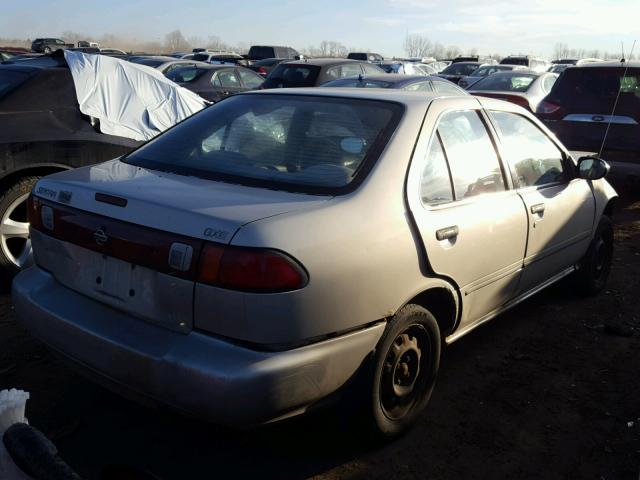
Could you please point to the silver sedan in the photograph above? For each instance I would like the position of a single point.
(285, 245)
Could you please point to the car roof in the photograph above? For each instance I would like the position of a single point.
(385, 77)
(319, 62)
(610, 63)
(385, 94)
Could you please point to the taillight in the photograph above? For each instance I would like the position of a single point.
(262, 70)
(250, 269)
(40, 216)
(547, 108)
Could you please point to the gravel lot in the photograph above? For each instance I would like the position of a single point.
(548, 390)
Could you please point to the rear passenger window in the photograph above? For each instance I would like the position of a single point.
(534, 158)
(435, 184)
(227, 79)
(353, 70)
(371, 69)
(446, 87)
(474, 164)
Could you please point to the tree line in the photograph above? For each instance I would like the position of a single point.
(415, 45)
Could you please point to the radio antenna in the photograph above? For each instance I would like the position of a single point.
(615, 104)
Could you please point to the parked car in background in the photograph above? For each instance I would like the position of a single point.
(580, 108)
(218, 57)
(215, 82)
(559, 67)
(45, 133)
(316, 71)
(532, 63)
(456, 71)
(365, 56)
(49, 45)
(233, 269)
(407, 68)
(165, 65)
(438, 66)
(260, 52)
(525, 87)
(266, 66)
(112, 52)
(412, 83)
(485, 71)
(6, 55)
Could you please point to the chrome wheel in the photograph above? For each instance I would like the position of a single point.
(14, 233)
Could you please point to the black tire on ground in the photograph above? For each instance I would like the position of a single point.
(594, 268)
(13, 212)
(404, 370)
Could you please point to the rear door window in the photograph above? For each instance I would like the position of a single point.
(473, 160)
(371, 69)
(534, 159)
(446, 88)
(226, 78)
(435, 183)
(250, 79)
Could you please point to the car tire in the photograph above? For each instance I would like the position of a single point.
(15, 244)
(593, 269)
(405, 366)
(46, 50)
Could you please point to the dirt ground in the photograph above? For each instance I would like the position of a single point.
(549, 390)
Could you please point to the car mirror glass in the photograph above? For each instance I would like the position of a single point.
(592, 168)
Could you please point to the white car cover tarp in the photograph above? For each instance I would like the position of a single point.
(130, 100)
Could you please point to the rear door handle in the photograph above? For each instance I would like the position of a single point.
(447, 233)
(538, 208)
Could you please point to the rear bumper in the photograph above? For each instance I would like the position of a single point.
(195, 373)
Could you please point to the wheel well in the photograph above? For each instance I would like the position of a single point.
(610, 209)
(13, 177)
(441, 303)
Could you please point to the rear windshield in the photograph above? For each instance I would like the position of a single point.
(516, 61)
(291, 75)
(290, 142)
(258, 53)
(459, 69)
(150, 62)
(505, 83)
(597, 88)
(358, 56)
(10, 80)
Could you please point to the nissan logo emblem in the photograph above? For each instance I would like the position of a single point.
(100, 236)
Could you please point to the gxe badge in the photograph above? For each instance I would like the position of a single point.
(100, 237)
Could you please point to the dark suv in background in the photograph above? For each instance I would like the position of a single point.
(367, 57)
(48, 45)
(581, 105)
(260, 52)
(314, 72)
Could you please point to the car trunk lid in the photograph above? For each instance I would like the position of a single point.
(131, 238)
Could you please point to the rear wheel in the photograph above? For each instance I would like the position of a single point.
(47, 50)
(595, 266)
(15, 244)
(404, 370)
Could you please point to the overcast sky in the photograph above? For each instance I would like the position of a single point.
(501, 26)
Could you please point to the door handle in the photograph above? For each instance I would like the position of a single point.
(447, 233)
(538, 208)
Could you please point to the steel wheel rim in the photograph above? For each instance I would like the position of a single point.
(14, 233)
(405, 372)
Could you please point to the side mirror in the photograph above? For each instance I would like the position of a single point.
(592, 168)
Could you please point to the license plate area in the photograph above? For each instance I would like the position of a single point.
(144, 293)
